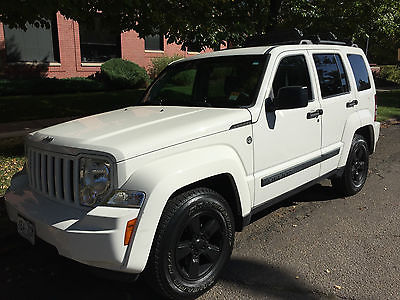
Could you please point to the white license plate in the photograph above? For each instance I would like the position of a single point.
(26, 229)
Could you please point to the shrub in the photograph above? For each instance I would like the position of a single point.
(389, 74)
(44, 86)
(184, 78)
(160, 63)
(26, 71)
(120, 73)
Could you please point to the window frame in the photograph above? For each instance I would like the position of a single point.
(91, 62)
(55, 41)
(334, 53)
(161, 40)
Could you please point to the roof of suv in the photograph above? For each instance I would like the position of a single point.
(264, 49)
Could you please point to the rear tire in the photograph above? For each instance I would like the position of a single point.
(356, 169)
(193, 243)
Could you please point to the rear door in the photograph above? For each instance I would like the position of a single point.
(363, 82)
(337, 100)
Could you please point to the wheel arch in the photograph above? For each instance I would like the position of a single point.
(215, 167)
(225, 185)
(367, 132)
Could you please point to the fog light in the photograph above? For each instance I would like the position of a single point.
(124, 198)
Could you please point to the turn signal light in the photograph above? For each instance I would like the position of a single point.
(130, 226)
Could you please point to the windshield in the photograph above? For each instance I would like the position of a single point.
(217, 82)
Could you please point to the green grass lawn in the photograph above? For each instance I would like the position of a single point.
(388, 105)
(34, 107)
(11, 160)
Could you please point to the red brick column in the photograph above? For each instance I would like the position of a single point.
(3, 56)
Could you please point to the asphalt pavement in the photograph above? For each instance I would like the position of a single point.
(315, 245)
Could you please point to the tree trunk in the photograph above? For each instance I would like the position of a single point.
(274, 11)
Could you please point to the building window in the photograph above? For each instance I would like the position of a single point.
(33, 45)
(193, 49)
(154, 42)
(98, 43)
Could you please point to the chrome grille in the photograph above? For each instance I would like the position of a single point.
(54, 175)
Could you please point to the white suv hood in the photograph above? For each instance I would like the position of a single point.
(134, 131)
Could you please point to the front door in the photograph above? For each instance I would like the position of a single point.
(287, 141)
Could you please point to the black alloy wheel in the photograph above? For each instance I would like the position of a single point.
(359, 164)
(192, 244)
(200, 245)
(355, 172)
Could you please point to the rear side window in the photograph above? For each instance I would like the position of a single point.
(292, 71)
(331, 75)
(360, 72)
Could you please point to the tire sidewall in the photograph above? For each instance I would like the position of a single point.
(358, 142)
(204, 202)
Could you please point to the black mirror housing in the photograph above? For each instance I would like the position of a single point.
(290, 97)
(269, 105)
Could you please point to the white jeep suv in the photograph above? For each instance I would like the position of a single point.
(161, 188)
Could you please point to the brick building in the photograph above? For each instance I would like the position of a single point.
(69, 49)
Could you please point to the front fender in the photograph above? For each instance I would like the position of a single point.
(162, 177)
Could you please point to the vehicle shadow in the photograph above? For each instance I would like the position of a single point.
(263, 280)
(319, 192)
(38, 272)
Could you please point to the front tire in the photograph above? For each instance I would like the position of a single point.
(193, 242)
(356, 169)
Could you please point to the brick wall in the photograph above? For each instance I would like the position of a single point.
(2, 48)
(132, 48)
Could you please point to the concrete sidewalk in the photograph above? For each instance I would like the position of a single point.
(15, 129)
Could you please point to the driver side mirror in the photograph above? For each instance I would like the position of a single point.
(288, 97)
(269, 105)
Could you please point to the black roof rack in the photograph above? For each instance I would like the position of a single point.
(294, 37)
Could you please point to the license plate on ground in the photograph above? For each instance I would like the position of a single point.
(26, 229)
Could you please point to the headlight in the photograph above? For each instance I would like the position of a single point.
(123, 198)
(95, 180)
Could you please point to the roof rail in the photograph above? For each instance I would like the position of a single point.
(295, 37)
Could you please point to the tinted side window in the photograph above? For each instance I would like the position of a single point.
(360, 72)
(292, 71)
(343, 75)
(331, 74)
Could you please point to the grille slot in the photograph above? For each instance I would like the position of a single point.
(54, 175)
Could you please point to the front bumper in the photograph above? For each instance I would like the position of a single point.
(91, 236)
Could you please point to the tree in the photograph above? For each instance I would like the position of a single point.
(200, 23)
(197, 23)
(357, 20)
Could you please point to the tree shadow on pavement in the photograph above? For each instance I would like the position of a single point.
(263, 280)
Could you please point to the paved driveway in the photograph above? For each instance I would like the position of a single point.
(315, 245)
